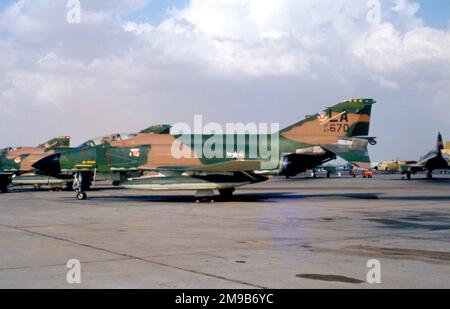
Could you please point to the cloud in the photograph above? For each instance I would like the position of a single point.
(246, 60)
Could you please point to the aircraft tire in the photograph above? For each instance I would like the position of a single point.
(81, 196)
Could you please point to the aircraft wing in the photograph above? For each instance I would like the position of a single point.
(352, 150)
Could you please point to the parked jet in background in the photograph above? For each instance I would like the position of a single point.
(393, 167)
(15, 162)
(434, 160)
(341, 130)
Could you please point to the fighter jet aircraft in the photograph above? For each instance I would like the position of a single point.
(18, 161)
(392, 167)
(341, 130)
(434, 160)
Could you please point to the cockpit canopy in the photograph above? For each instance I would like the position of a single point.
(107, 139)
(7, 149)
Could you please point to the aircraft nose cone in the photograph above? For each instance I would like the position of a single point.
(49, 165)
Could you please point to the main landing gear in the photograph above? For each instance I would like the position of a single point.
(204, 196)
(408, 175)
(207, 196)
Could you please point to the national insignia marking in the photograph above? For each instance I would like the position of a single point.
(135, 152)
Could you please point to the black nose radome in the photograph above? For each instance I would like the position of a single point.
(49, 165)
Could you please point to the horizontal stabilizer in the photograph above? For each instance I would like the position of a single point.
(352, 150)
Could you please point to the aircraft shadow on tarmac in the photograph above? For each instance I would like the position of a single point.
(238, 198)
(396, 178)
(272, 197)
(268, 197)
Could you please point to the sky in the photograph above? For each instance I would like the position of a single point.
(130, 64)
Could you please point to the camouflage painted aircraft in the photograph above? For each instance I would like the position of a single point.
(434, 160)
(18, 161)
(16, 164)
(341, 130)
(393, 167)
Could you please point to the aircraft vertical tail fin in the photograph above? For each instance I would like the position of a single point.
(350, 118)
(439, 143)
(57, 142)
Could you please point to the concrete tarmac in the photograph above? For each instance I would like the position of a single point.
(297, 233)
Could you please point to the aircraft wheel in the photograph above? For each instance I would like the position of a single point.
(116, 183)
(81, 196)
(328, 175)
(205, 200)
(4, 189)
(429, 176)
(408, 176)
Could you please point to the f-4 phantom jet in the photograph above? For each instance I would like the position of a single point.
(18, 161)
(434, 160)
(208, 162)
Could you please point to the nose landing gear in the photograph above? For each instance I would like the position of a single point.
(82, 182)
(81, 196)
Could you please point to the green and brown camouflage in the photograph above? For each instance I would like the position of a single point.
(19, 161)
(16, 163)
(341, 130)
